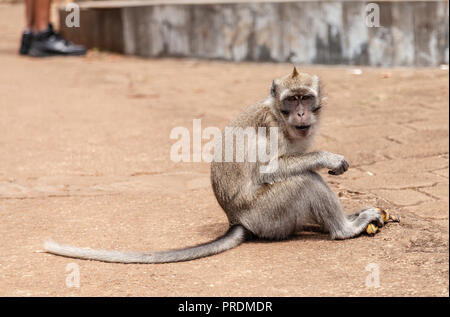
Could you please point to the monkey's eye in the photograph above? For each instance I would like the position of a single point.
(291, 101)
(285, 112)
(307, 100)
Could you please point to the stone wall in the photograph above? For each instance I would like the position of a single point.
(411, 33)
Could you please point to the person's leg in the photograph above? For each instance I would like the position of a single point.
(41, 15)
(29, 14)
(27, 36)
(46, 42)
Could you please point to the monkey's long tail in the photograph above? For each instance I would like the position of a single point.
(235, 235)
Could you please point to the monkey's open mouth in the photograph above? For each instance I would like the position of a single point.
(302, 127)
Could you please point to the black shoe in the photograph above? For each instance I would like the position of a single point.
(27, 38)
(50, 43)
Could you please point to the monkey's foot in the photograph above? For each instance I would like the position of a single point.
(372, 228)
(387, 217)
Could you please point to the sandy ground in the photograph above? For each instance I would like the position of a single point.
(85, 160)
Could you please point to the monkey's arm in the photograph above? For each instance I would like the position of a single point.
(290, 165)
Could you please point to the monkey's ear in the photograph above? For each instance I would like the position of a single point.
(273, 89)
(294, 72)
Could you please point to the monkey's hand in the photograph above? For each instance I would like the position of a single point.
(337, 164)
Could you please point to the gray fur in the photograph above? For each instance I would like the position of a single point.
(234, 236)
(276, 205)
(267, 205)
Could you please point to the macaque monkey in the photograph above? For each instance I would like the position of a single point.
(274, 204)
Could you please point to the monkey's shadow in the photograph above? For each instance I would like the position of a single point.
(212, 231)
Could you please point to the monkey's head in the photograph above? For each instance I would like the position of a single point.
(297, 101)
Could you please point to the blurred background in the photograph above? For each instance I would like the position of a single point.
(351, 32)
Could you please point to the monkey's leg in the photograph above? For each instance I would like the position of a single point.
(352, 217)
(312, 228)
(326, 208)
(283, 208)
(355, 215)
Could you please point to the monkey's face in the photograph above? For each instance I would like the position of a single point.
(298, 103)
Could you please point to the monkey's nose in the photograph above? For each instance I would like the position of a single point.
(300, 114)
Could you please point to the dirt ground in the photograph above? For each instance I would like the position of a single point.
(85, 160)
